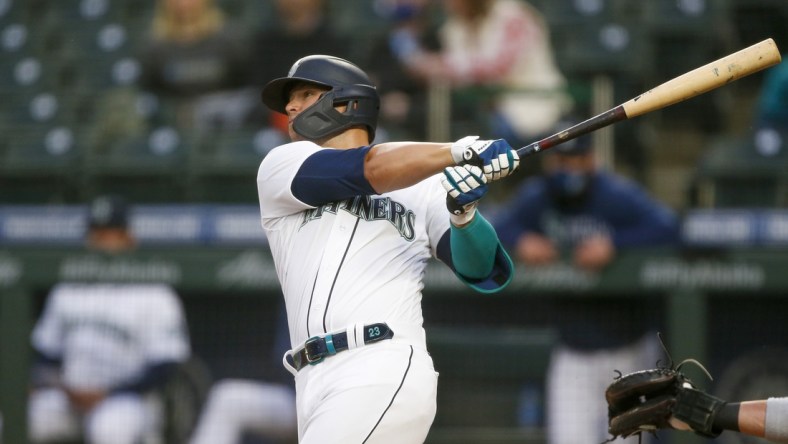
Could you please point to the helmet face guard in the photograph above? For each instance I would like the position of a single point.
(348, 85)
(322, 118)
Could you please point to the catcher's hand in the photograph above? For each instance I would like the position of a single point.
(661, 398)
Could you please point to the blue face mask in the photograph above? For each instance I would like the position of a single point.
(569, 185)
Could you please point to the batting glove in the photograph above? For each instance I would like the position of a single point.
(496, 157)
(464, 185)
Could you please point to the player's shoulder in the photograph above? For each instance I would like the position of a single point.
(292, 149)
(286, 156)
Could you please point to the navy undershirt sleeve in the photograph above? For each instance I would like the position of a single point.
(155, 376)
(332, 175)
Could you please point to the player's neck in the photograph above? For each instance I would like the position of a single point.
(350, 138)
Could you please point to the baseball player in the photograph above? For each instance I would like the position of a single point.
(351, 226)
(103, 348)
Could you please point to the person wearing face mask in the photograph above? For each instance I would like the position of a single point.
(583, 215)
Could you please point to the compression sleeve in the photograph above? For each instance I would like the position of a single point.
(332, 175)
(473, 248)
(776, 423)
(476, 256)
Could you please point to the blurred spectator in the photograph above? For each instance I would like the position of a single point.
(772, 108)
(104, 349)
(579, 213)
(301, 28)
(196, 59)
(237, 408)
(503, 45)
(403, 96)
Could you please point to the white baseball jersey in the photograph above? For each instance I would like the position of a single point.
(361, 260)
(107, 334)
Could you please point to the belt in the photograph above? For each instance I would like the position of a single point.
(318, 348)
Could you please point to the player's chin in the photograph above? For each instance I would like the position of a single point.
(294, 136)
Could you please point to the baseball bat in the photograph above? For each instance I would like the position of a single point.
(690, 84)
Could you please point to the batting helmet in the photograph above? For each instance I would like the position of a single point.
(348, 85)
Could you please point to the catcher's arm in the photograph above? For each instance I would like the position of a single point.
(657, 399)
(762, 418)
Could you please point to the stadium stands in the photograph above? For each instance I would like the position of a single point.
(81, 52)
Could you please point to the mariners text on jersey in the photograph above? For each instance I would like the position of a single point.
(370, 209)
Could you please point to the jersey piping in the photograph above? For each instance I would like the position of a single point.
(401, 383)
(333, 283)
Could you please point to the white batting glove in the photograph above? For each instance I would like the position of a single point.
(465, 185)
(496, 157)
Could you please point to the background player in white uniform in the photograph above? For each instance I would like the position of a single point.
(351, 228)
(103, 348)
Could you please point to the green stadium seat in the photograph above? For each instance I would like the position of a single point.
(39, 164)
(565, 14)
(38, 108)
(745, 171)
(692, 17)
(94, 40)
(98, 74)
(83, 11)
(225, 169)
(609, 47)
(18, 40)
(756, 20)
(147, 167)
(682, 32)
(13, 11)
(27, 74)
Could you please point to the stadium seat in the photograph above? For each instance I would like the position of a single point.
(41, 107)
(147, 167)
(83, 11)
(755, 20)
(13, 11)
(39, 164)
(606, 47)
(96, 40)
(28, 74)
(226, 167)
(745, 171)
(97, 74)
(564, 14)
(18, 40)
(693, 17)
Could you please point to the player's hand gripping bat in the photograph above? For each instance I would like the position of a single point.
(690, 84)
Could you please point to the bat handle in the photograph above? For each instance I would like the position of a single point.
(528, 150)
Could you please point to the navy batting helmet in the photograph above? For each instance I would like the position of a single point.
(347, 84)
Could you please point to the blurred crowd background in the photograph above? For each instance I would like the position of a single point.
(158, 101)
(161, 102)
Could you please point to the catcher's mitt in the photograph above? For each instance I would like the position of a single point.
(659, 398)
